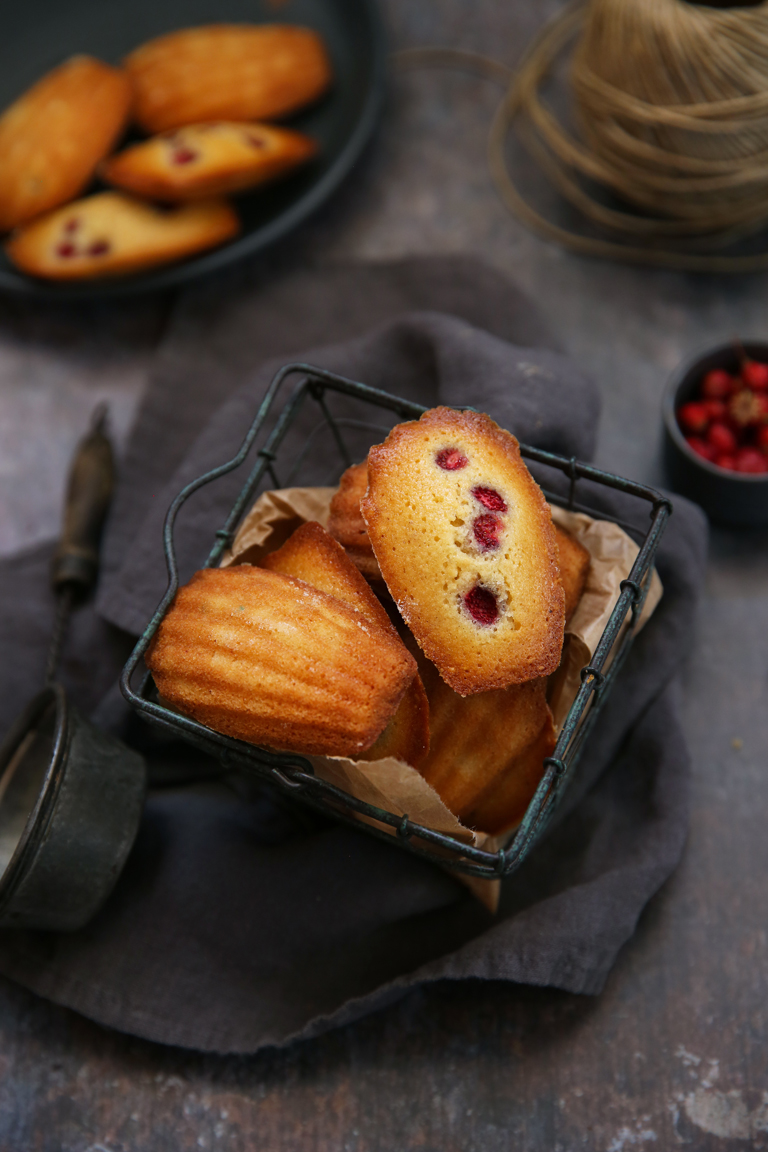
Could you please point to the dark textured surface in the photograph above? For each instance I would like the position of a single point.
(674, 1051)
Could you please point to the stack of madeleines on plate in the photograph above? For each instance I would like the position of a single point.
(202, 95)
(423, 624)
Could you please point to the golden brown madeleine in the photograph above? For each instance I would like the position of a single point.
(474, 740)
(53, 137)
(313, 556)
(227, 72)
(574, 561)
(207, 160)
(406, 737)
(109, 234)
(269, 659)
(346, 522)
(505, 803)
(466, 546)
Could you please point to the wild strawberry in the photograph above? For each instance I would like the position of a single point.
(717, 384)
(701, 448)
(722, 438)
(755, 375)
(751, 460)
(715, 409)
(693, 417)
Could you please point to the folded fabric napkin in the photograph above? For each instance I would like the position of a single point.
(240, 922)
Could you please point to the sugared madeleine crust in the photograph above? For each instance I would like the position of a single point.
(111, 233)
(504, 803)
(466, 545)
(573, 561)
(207, 160)
(52, 137)
(310, 554)
(346, 523)
(227, 72)
(267, 658)
(477, 740)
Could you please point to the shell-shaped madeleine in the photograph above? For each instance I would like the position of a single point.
(269, 659)
(227, 72)
(312, 555)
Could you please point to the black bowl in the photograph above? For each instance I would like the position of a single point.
(737, 499)
(39, 34)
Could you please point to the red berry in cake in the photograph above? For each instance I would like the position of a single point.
(487, 530)
(722, 438)
(482, 605)
(66, 250)
(451, 459)
(693, 417)
(184, 156)
(99, 248)
(72, 225)
(702, 448)
(755, 375)
(717, 384)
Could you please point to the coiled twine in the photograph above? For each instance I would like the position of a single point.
(672, 101)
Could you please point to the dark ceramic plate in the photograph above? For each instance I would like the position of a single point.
(39, 34)
(731, 498)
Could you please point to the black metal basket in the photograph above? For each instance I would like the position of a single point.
(293, 773)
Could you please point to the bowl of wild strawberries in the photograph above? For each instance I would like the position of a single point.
(716, 423)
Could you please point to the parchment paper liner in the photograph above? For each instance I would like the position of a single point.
(392, 784)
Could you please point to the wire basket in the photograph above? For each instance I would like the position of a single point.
(293, 774)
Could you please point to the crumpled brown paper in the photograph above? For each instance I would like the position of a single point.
(391, 784)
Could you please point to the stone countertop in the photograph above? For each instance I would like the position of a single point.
(674, 1051)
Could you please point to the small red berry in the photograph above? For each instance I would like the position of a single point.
(755, 375)
(99, 248)
(693, 417)
(751, 460)
(490, 499)
(726, 461)
(701, 448)
(486, 530)
(451, 459)
(184, 156)
(717, 384)
(66, 250)
(762, 439)
(715, 409)
(722, 438)
(482, 605)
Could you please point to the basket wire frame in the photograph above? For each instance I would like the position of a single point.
(293, 774)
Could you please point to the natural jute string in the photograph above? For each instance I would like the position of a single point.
(671, 101)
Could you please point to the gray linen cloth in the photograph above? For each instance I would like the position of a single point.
(238, 922)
